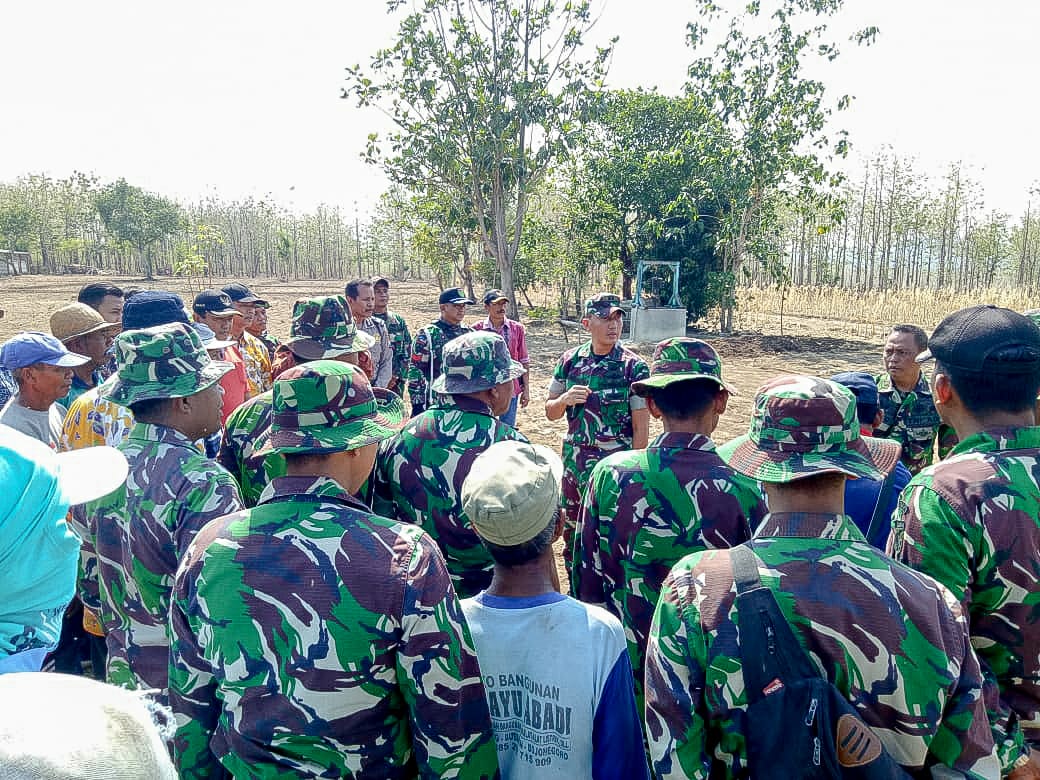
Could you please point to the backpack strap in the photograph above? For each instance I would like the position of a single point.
(880, 508)
(770, 654)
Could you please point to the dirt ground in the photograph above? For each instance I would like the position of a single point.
(749, 359)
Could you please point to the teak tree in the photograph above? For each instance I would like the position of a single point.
(486, 96)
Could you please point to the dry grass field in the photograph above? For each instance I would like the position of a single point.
(824, 334)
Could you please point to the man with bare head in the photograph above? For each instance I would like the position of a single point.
(906, 401)
(361, 298)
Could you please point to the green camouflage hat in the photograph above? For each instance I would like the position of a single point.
(475, 361)
(323, 328)
(326, 406)
(603, 305)
(167, 361)
(802, 426)
(678, 359)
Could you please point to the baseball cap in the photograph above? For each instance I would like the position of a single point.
(209, 338)
(78, 319)
(149, 308)
(603, 305)
(106, 731)
(167, 361)
(326, 406)
(802, 426)
(31, 347)
(678, 359)
(381, 280)
(454, 295)
(239, 293)
(512, 491)
(862, 385)
(475, 361)
(970, 338)
(494, 296)
(322, 328)
(216, 302)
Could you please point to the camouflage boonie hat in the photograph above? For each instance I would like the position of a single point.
(323, 328)
(167, 361)
(802, 426)
(603, 305)
(475, 361)
(678, 359)
(326, 406)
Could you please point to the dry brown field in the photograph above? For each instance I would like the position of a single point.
(814, 343)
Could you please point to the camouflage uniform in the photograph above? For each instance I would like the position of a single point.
(141, 530)
(646, 509)
(910, 418)
(401, 345)
(242, 432)
(908, 669)
(419, 473)
(314, 639)
(429, 346)
(600, 426)
(972, 521)
(321, 328)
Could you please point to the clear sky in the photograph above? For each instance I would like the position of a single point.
(239, 98)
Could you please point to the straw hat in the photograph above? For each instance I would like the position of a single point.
(78, 319)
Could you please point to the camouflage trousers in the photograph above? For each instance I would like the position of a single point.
(578, 462)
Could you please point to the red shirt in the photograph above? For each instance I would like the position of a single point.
(235, 382)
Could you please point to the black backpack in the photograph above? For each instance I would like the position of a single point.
(799, 724)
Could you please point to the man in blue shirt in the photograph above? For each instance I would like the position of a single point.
(870, 502)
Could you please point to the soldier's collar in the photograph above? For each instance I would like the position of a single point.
(809, 525)
(308, 488)
(468, 403)
(684, 441)
(160, 433)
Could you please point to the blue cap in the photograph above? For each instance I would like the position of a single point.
(153, 307)
(861, 384)
(31, 347)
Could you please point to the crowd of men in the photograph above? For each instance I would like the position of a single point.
(316, 583)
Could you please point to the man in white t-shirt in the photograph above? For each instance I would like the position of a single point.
(556, 671)
(42, 369)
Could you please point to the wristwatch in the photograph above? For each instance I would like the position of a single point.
(1022, 760)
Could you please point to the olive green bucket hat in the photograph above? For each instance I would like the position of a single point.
(802, 426)
(323, 328)
(475, 361)
(326, 406)
(167, 361)
(679, 359)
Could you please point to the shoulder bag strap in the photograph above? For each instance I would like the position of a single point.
(770, 654)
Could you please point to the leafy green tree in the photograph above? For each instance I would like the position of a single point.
(645, 176)
(137, 217)
(487, 96)
(775, 116)
(16, 223)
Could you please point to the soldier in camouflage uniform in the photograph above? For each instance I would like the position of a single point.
(646, 509)
(905, 399)
(893, 642)
(419, 473)
(312, 638)
(141, 530)
(972, 521)
(321, 330)
(429, 345)
(591, 386)
(400, 338)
